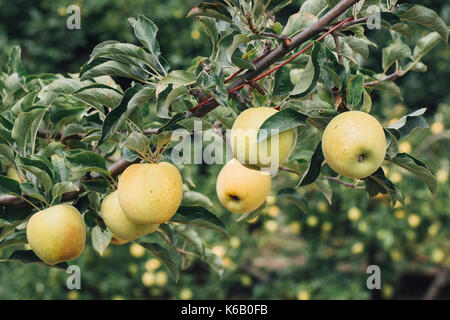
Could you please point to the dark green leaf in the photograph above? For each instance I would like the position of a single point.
(200, 217)
(354, 90)
(294, 196)
(418, 168)
(164, 256)
(313, 171)
(286, 119)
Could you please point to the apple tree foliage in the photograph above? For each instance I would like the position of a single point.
(69, 137)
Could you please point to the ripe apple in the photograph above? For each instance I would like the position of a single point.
(244, 139)
(354, 144)
(57, 234)
(150, 193)
(119, 224)
(240, 189)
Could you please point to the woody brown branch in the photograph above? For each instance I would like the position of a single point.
(280, 52)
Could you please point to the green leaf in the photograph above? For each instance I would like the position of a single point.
(282, 82)
(174, 95)
(309, 76)
(99, 94)
(210, 27)
(403, 127)
(28, 256)
(26, 126)
(32, 191)
(164, 256)
(63, 187)
(193, 199)
(132, 98)
(126, 53)
(145, 31)
(14, 64)
(200, 217)
(313, 6)
(298, 22)
(378, 183)
(294, 196)
(367, 102)
(424, 16)
(137, 142)
(86, 161)
(392, 144)
(178, 78)
(7, 152)
(9, 186)
(101, 67)
(100, 239)
(39, 169)
(238, 40)
(389, 87)
(313, 171)
(354, 90)
(213, 10)
(418, 168)
(214, 261)
(425, 44)
(286, 119)
(15, 239)
(394, 52)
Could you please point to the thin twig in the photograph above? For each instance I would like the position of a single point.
(338, 46)
(345, 184)
(392, 76)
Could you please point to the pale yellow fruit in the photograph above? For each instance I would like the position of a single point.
(354, 214)
(244, 139)
(136, 250)
(303, 295)
(12, 173)
(119, 224)
(354, 144)
(357, 248)
(405, 147)
(57, 234)
(186, 294)
(437, 127)
(242, 190)
(150, 193)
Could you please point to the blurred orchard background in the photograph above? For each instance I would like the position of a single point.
(283, 253)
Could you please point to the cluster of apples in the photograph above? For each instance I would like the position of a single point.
(147, 195)
(353, 145)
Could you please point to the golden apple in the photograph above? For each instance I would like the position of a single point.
(119, 224)
(354, 144)
(150, 193)
(240, 189)
(244, 140)
(57, 234)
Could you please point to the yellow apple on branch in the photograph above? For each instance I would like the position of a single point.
(244, 143)
(354, 144)
(240, 189)
(119, 224)
(57, 234)
(150, 192)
